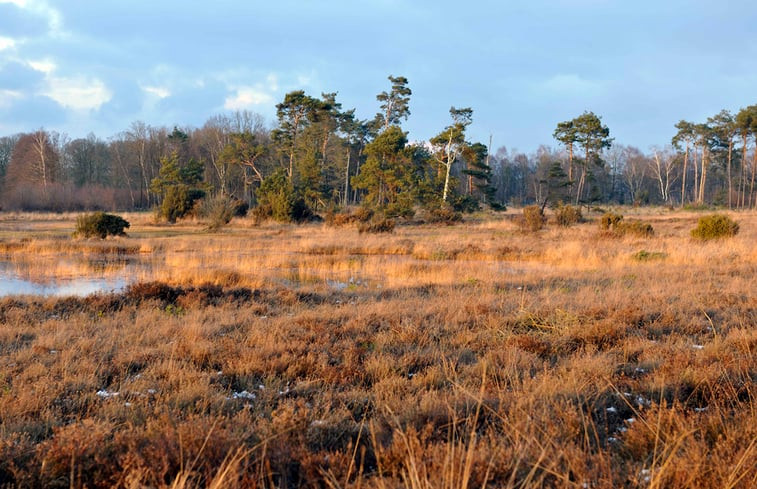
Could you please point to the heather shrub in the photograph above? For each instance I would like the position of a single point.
(533, 218)
(645, 255)
(100, 225)
(359, 215)
(609, 221)
(377, 225)
(636, 228)
(715, 226)
(567, 215)
(440, 214)
(614, 225)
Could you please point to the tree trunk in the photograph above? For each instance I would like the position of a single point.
(347, 179)
(742, 180)
(752, 201)
(448, 164)
(570, 167)
(703, 179)
(730, 153)
(696, 174)
(685, 169)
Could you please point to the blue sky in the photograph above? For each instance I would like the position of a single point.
(96, 66)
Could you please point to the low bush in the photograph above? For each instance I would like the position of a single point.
(100, 225)
(715, 226)
(359, 215)
(567, 215)
(636, 228)
(614, 225)
(219, 210)
(609, 221)
(439, 214)
(645, 255)
(380, 225)
(444, 215)
(179, 201)
(533, 218)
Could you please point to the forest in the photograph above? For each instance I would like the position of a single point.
(318, 157)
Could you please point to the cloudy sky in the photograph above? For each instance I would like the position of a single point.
(81, 66)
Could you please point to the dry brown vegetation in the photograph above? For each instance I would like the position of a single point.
(475, 355)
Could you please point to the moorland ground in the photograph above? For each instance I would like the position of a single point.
(473, 355)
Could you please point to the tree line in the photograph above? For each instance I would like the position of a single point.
(319, 157)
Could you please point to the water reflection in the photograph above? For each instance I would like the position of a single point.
(13, 281)
(62, 288)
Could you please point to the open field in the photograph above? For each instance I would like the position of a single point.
(473, 355)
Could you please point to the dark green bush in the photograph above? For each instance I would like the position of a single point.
(533, 218)
(100, 225)
(465, 203)
(715, 226)
(278, 200)
(178, 201)
(567, 215)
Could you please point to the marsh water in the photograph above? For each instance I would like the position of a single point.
(16, 279)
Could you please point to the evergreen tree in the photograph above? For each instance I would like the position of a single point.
(386, 176)
(480, 174)
(178, 185)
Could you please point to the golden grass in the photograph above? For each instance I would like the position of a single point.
(457, 357)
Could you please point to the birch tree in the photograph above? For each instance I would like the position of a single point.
(449, 144)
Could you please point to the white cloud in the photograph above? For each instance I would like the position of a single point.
(6, 43)
(46, 66)
(160, 92)
(78, 93)
(246, 98)
(43, 9)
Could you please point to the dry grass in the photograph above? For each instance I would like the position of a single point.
(457, 357)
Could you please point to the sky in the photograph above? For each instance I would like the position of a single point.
(94, 66)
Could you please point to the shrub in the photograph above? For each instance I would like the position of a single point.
(444, 215)
(645, 255)
(614, 225)
(178, 201)
(465, 203)
(715, 226)
(609, 221)
(359, 215)
(533, 218)
(636, 228)
(439, 214)
(218, 211)
(101, 225)
(380, 225)
(280, 201)
(566, 215)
